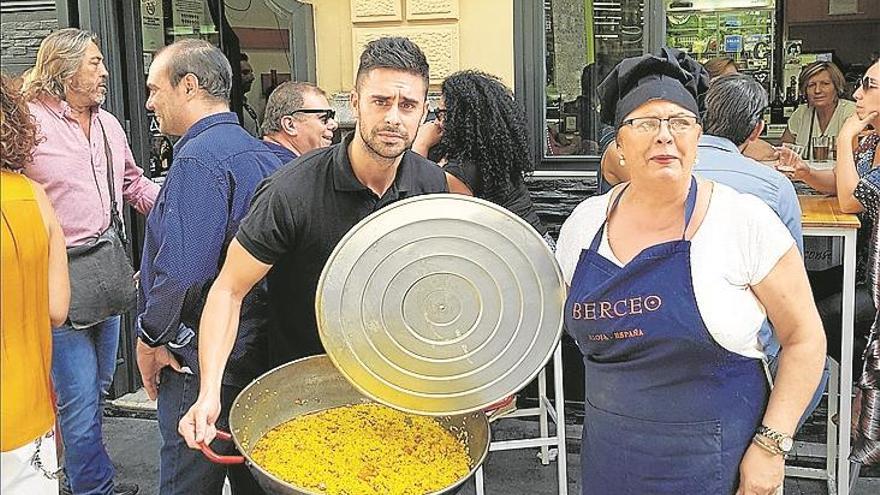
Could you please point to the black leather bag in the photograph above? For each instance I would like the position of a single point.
(101, 276)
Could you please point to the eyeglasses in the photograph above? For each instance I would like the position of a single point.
(325, 114)
(867, 82)
(651, 125)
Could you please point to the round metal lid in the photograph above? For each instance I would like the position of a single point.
(440, 304)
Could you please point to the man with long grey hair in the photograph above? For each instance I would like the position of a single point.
(216, 170)
(84, 150)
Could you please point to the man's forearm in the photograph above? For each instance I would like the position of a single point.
(217, 331)
(137, 190)
(159, 322)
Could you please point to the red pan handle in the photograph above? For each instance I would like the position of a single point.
(217, 458)
(500, 408)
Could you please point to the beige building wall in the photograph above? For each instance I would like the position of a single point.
(454, 34)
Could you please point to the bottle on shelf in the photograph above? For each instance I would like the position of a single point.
(777, 109)
(791, 99)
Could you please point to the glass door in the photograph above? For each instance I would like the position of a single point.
(584, 40)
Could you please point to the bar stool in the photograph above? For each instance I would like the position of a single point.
(556, 412)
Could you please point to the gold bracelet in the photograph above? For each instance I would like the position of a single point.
(760, 442)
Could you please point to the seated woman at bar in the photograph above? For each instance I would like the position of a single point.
(669, 279)
(823, 85)
(856, 156)
(858, 191)
(480, 138)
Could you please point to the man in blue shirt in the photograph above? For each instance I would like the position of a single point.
(298, 119)
(734, 117)
(217, 167)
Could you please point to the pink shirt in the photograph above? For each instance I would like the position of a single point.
(73, 170)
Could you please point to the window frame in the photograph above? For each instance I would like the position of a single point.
(529, 88)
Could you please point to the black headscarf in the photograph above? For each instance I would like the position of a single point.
(669, 75)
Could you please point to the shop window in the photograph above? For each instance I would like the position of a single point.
(574, 44)
(257, 36)
(744, 32)
(584, 41)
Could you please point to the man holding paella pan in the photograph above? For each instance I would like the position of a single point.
(301, 212)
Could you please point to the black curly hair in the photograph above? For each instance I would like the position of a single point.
(484, 125)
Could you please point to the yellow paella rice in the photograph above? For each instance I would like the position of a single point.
(363, 449)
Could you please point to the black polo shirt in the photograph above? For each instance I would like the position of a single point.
(298, 216)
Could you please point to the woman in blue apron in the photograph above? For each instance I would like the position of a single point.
(677, 400)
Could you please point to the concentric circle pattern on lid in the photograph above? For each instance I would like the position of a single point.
(440, 304)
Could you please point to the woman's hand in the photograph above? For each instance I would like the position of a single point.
(760, 472)
(853, 126)
(428, 136)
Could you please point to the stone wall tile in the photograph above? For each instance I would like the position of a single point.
(555, 198)
(431, 9)
(439, 42)
(20, 36)
(375, 11)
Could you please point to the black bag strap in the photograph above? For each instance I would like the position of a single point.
(115, 220)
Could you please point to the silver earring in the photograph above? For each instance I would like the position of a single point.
(622, 161)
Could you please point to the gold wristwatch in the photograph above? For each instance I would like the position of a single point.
(773, 441)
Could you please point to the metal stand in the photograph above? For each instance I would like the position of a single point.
(556, 411)
(832, 440)
(837, 440)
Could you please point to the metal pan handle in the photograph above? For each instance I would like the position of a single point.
(217, 458)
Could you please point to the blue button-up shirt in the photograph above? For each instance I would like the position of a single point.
(216, 169)
(719, 160)
(283, 154)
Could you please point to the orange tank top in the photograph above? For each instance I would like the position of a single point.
(26, 399)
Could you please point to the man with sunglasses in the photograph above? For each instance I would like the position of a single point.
(298, 119)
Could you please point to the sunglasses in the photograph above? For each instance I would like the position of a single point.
(867, 82)
(325, 114)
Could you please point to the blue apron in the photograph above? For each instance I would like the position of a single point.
(668, 410)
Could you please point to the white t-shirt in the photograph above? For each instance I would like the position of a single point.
(799, 122)
(737, 245)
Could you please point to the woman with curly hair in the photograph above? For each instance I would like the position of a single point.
(480, 139)
(35, 296)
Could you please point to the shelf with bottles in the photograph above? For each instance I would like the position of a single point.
(720, 23)
(744, 35)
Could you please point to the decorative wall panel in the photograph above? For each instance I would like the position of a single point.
(439, 42)
(375, 10)
(432, 9)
